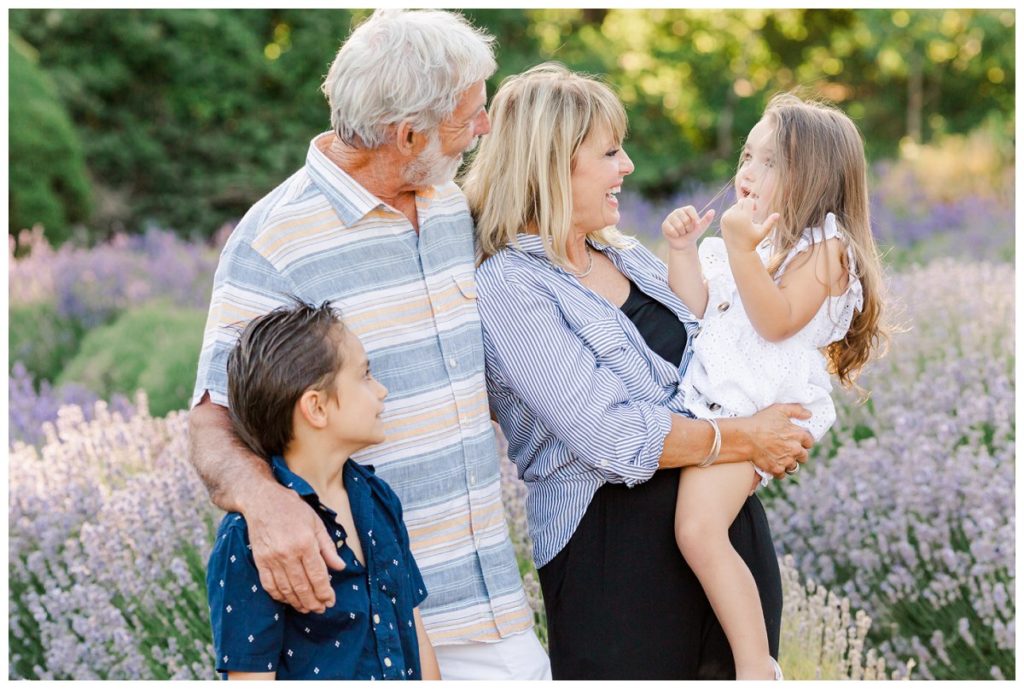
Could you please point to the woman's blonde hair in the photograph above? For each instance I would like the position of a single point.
(520, 175)
(820, 168)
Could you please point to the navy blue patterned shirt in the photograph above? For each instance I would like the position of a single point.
(370, 632)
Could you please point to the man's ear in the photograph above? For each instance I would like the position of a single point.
(312, 406)
(406, 138)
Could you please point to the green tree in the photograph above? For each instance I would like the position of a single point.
(48, 179)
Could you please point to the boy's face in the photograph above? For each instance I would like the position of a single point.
(354, 413)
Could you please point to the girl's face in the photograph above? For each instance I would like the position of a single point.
(757, 174)
(354, 412)
(600, 166)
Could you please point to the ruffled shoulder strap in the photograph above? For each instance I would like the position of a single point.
(817, 235)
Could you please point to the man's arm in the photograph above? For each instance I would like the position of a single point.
(290, 545)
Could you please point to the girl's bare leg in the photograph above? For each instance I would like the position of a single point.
(708, 501)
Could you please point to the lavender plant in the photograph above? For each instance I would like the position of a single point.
(30, 409)
(912, 517)
(91, 285)
(109, 532)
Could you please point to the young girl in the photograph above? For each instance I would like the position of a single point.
(775, 293)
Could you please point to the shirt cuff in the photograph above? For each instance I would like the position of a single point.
(659, 420)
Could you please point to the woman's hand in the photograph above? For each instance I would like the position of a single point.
(739, 230)
(683, 227)
(779, 444)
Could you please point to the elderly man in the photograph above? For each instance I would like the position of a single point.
(374, 223)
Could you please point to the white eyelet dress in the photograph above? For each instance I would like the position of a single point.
(736, 372)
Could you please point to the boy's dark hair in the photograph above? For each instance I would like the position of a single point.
(279, 356)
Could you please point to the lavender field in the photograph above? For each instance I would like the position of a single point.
(896, 541)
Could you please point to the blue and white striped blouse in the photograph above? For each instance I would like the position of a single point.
(580, 397)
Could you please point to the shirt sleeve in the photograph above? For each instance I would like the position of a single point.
(245, 285)
(531, 349)
(248, 625)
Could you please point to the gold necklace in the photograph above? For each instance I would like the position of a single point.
(590, 264)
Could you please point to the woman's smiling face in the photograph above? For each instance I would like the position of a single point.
(598, 170)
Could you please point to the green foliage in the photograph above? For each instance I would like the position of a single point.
(189, 116)
(153, 347)
(41, 339)
(49, 184)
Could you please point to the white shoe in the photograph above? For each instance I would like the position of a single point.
(778, 670)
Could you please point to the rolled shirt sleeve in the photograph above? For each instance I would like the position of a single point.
(573, 386)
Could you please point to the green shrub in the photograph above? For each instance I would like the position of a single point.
(48, 180)
(41, 339)
(154, 347)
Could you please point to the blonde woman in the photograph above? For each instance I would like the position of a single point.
(584, 341)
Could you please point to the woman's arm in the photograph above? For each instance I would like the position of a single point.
(291, 547)
(778, 312)
(428, 660)
(768, 438)
(532, 351)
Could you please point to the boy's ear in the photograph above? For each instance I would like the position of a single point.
(312, 407)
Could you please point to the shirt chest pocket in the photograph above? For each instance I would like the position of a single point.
(613, 349)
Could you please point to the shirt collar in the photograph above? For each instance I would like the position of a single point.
(533, 245)
(288, 478)
(350, 199)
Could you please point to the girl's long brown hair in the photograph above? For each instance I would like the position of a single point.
(819, 160)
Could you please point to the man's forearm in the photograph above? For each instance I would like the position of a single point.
(232, 473)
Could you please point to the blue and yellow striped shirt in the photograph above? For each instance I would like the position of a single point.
(411, 299)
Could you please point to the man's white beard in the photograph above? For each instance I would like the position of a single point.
(433, 168)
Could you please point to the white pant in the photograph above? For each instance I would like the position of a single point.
(515, 657)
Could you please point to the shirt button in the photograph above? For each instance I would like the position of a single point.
(714, 406)
(453, 363)
(387, 662)
(724, 306)
(472, 479)
(376, 619)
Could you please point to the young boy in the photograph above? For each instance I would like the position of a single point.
(301, 394)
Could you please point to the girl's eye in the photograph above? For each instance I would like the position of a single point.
(612, 153)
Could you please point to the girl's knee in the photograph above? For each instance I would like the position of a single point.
(691, 536)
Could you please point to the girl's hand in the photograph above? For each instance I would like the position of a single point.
(739, 230)
(683, 227)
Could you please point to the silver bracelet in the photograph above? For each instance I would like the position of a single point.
(716, 446)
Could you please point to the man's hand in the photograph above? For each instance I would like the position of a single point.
(292, 550)
(778, 443)
(683, 227)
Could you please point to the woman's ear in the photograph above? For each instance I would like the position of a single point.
(312, 407)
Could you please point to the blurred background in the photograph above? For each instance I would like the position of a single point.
(139, 137)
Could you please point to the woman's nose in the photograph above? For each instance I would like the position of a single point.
(626, 166)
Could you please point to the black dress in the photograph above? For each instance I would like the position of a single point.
(621, 601)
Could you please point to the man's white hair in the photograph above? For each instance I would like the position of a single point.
(404, 65)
